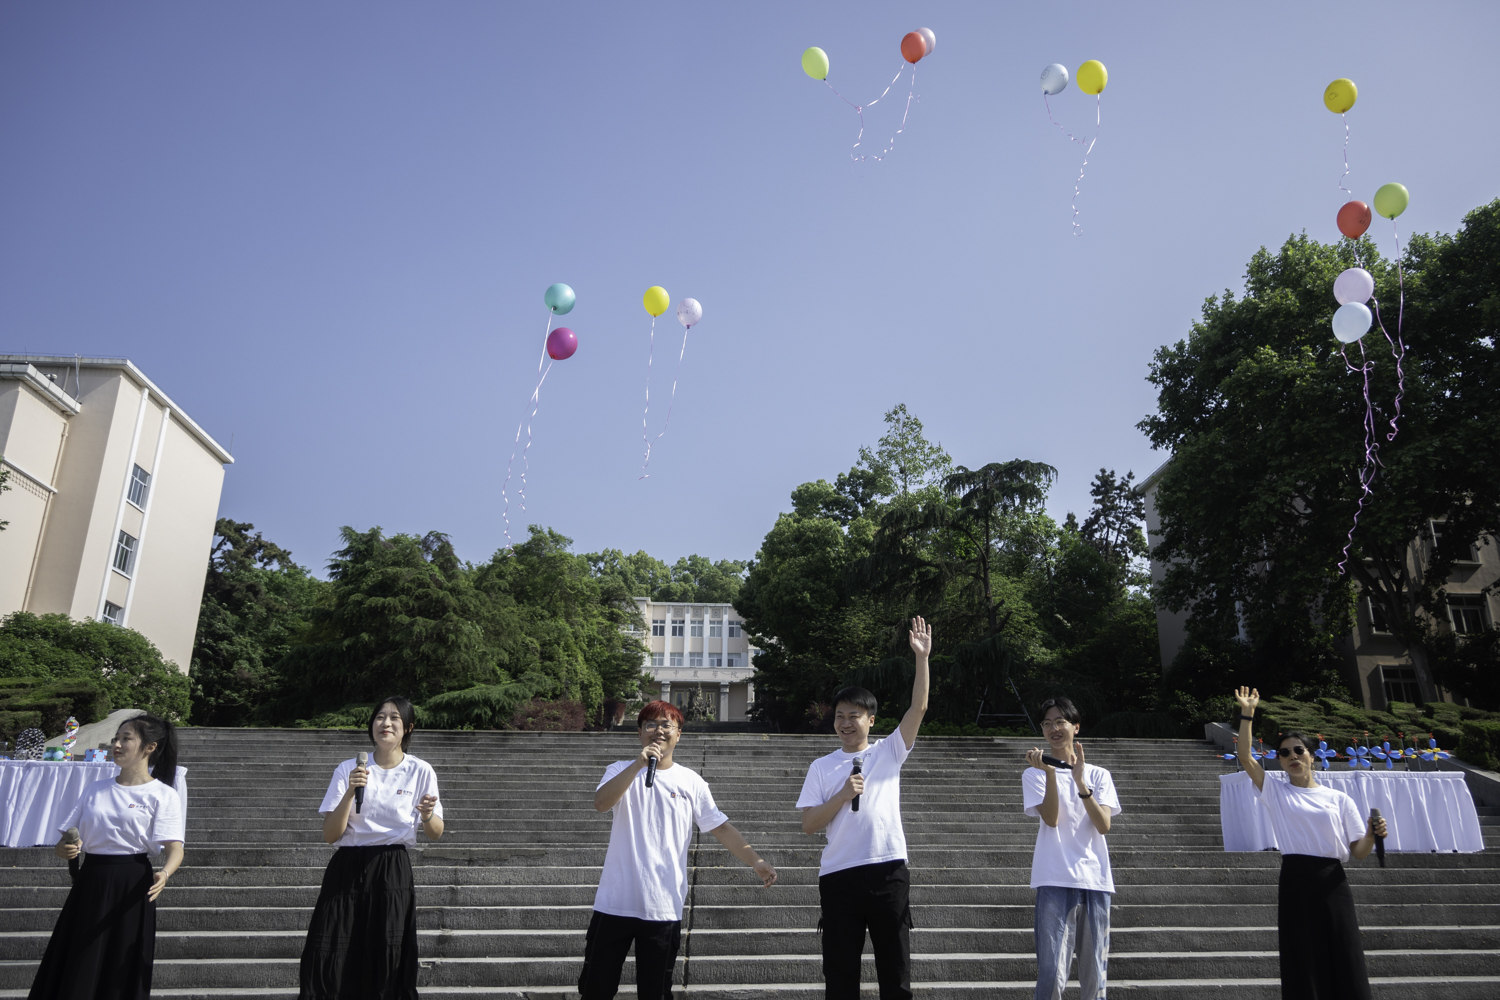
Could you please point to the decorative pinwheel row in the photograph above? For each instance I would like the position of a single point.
(1361, 756)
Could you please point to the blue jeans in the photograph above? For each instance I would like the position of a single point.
(1065, 917)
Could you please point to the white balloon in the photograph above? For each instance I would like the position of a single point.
(1352, 321)
(689, 312)
(1354, 285)
(1054, 79)
(929, 38)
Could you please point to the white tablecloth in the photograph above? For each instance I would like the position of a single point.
(1424, 810)
(36, 795)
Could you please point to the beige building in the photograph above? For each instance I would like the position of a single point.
(699, 646)
(114, 494)
(1383, 667)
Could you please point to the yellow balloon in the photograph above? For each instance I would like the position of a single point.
(656, 300)
(1091, 77)
(1391, 200)
(1340, 95)
(815, 63)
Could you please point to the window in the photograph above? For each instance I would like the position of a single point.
(677, 624)
(715, 660)
(715, 628)
(1401, 684)
(734, 628)
(125, 553)
(695, 659)
(1379, 622)
(658, 626)
(736, 659)
(1437, 542)
(140, 486)
(657, 659)
(679, 697)
(112, 612)
(676, 660)
(697, 628)
(1467, 613)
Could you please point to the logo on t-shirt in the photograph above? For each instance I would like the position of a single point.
(403, 791)
(131, 806)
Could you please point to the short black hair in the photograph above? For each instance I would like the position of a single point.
(858, 697)
(404, 709)
(1065, 708)
(1297, 734)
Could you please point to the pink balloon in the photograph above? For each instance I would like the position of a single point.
(561, 343)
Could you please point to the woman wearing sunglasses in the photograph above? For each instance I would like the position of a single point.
(1317, 827)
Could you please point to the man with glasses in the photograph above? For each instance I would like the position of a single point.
(645, 878)
(1070, 866)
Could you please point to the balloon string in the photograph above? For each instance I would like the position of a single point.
(535, 402)
(672, 403)
(544, 341)
(1098, 108)
(1372, 448)
(1346, 157)
(645, 434)
(859, 109)
(1398, 343)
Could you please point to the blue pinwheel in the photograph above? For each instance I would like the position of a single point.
(1324, 754)
(1263, 753)
(1385, 753)
(1432, 753)
(1358, 757)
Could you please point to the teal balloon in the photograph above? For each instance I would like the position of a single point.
(560, 299)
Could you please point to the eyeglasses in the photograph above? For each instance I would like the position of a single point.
(1299, 750)
(1054, 723)
(652, 727)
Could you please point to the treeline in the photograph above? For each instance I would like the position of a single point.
(1021, 605)
(471, 644)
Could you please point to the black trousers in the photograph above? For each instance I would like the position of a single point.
(104, 941)
(870, 898)
(606, 945)
(362, 941)
(1322, 955)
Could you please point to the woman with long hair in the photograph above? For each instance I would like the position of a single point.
(104, 942)
(1317, 829)
(362, 942)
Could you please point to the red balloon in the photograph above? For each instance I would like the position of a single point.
(1354, 219)
(913, 46)
(561, 343)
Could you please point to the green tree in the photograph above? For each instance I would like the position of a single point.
(1264, 423)
(127, 667)
(692, 579)
(256, 605)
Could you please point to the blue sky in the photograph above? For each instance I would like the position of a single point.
(325, 230)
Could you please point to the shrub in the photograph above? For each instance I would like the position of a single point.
(26, 703)
(125, 666)
(1480, 743)
(485, 706)
(561, 716)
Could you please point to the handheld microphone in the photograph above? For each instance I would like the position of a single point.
(650, 771)
(1379, 840)
(1052, 761)
(359, 790)
(859, 766)
(71, 837)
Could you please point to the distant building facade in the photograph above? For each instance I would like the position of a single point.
(1381, 665)
(699, 646)
(114, 495)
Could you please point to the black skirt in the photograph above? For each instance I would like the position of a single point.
(104, 941)
(362, 942)
(1322, 955)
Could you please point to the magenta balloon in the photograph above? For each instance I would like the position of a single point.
(561, 343)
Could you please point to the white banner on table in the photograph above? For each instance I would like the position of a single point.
(1425, 810)
(36, 795)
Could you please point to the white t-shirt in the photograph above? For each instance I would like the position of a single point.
(126, 819)
(1319, 821)
(873, 834)
(645, 869)
(1073, 854)
(389, 814)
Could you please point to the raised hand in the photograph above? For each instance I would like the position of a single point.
(1247, 699)
(1075, 761)
(921, 637)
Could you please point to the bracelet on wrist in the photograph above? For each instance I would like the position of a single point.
(1087, 794)
(1247, 718)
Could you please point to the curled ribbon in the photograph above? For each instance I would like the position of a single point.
(859, 109)
(534, 402)
(1098, 109)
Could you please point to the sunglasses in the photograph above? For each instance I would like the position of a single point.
(1299, 750)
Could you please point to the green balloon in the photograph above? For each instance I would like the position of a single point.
(1391, 200)
(815, 63)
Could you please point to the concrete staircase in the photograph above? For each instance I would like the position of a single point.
(505, 896)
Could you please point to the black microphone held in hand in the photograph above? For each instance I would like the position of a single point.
(859, 766)
(1379, 840)
(650, 771)
(71, 837)
(1052, 761)
(359, 790)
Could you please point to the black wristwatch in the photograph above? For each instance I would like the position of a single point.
(1086, 795)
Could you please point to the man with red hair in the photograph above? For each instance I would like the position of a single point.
(645, 879)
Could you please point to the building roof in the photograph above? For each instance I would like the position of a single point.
(136, 375)
(1150, 481)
